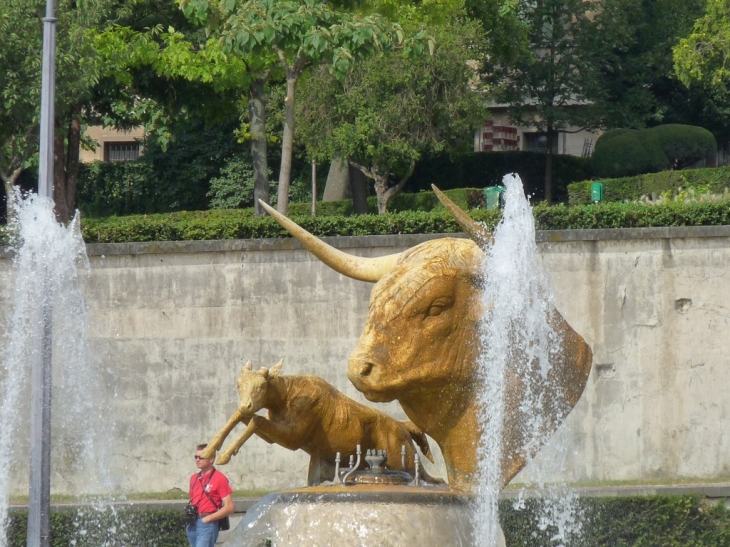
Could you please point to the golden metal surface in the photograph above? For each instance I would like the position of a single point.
(307, 413)
(420, 346)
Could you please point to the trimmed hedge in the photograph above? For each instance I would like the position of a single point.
(122, 528)
(626, 152)
(640, 521)
(654, 185)
(482, 169)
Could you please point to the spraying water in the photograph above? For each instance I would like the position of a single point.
(47, 257)
(518, 345)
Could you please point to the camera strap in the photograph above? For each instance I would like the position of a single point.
(200, 476)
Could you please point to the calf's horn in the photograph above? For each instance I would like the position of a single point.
(355, 267)
(476, 231)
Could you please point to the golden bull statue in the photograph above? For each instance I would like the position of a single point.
(420, 346)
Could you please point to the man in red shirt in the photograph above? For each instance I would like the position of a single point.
(211, 493)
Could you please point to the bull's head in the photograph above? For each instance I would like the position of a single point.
(420, 343)
(253, 388)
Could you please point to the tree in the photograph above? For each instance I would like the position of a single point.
(632, 48)
(388, 110)
(550, 85)
(77, 71)
(293, 36)
(700, 63)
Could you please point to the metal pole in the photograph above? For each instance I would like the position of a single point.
(48, 92)
(314, 188)
(39, 495)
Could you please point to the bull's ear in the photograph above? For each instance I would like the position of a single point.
(478, 233)
(276, 369)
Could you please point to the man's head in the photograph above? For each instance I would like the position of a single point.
(204, 464)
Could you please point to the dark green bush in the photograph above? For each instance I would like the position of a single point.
(630, 153)
(654, 185)
(123, 528)
(481, 169)
(627, 152)
(646, 521)
(123, 188)
(685, 145)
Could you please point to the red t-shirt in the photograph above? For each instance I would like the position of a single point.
(215, 484)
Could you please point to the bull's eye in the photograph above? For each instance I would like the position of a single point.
(433, 311)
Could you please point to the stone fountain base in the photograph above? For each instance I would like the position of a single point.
(333, 516)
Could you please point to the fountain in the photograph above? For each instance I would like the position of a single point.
(488, 373)
(47, 278)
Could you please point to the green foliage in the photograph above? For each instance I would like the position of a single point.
(631, 215)
(389, 111)
(481, 169)
(121, 188)
(709, 181)
(623, 152)
(138, 528)
(233, 189)
(647, 521)
(685, 145)
(630, 153)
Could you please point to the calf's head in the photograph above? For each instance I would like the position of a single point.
(253, 388)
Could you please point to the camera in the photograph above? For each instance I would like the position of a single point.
(191, 514)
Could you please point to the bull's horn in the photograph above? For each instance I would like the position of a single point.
(475, 230)
(356, 267)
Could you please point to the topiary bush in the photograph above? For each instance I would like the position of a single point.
(686, 145)
(631, 152)
(627, 152)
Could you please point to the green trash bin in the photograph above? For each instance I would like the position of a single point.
(596, 192)
(493, 196)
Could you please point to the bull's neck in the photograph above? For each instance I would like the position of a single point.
(276, 393)
(450, 418)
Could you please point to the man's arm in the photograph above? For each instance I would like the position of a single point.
(228, 508)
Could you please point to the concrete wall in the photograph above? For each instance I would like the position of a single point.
(170, 325)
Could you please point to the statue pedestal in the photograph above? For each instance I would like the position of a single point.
(387, 516)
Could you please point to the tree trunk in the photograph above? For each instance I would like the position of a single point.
(337, 186)
(66, 170)
(287, 143)
(381, 191)
(258, 144)
(549, 166)
(9, 183)
(358, 190)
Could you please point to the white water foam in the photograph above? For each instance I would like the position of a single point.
(516, 334)
(47, 260)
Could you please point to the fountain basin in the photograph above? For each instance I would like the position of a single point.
(372, 514)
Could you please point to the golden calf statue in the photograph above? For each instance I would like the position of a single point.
(421, 343)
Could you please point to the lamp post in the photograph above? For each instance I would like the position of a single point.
(39, 494)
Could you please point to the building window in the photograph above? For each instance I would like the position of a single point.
(537, 142)
(121, 151)
(500, 138)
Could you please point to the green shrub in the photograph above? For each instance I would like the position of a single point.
(123, 188)
(685, 145)
(123, 528)
(626, 152)
(233, 189)
(630, 153)
(482, 169)
(708, 181)
(641, 521)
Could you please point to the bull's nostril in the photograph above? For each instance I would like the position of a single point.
(365, 369)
